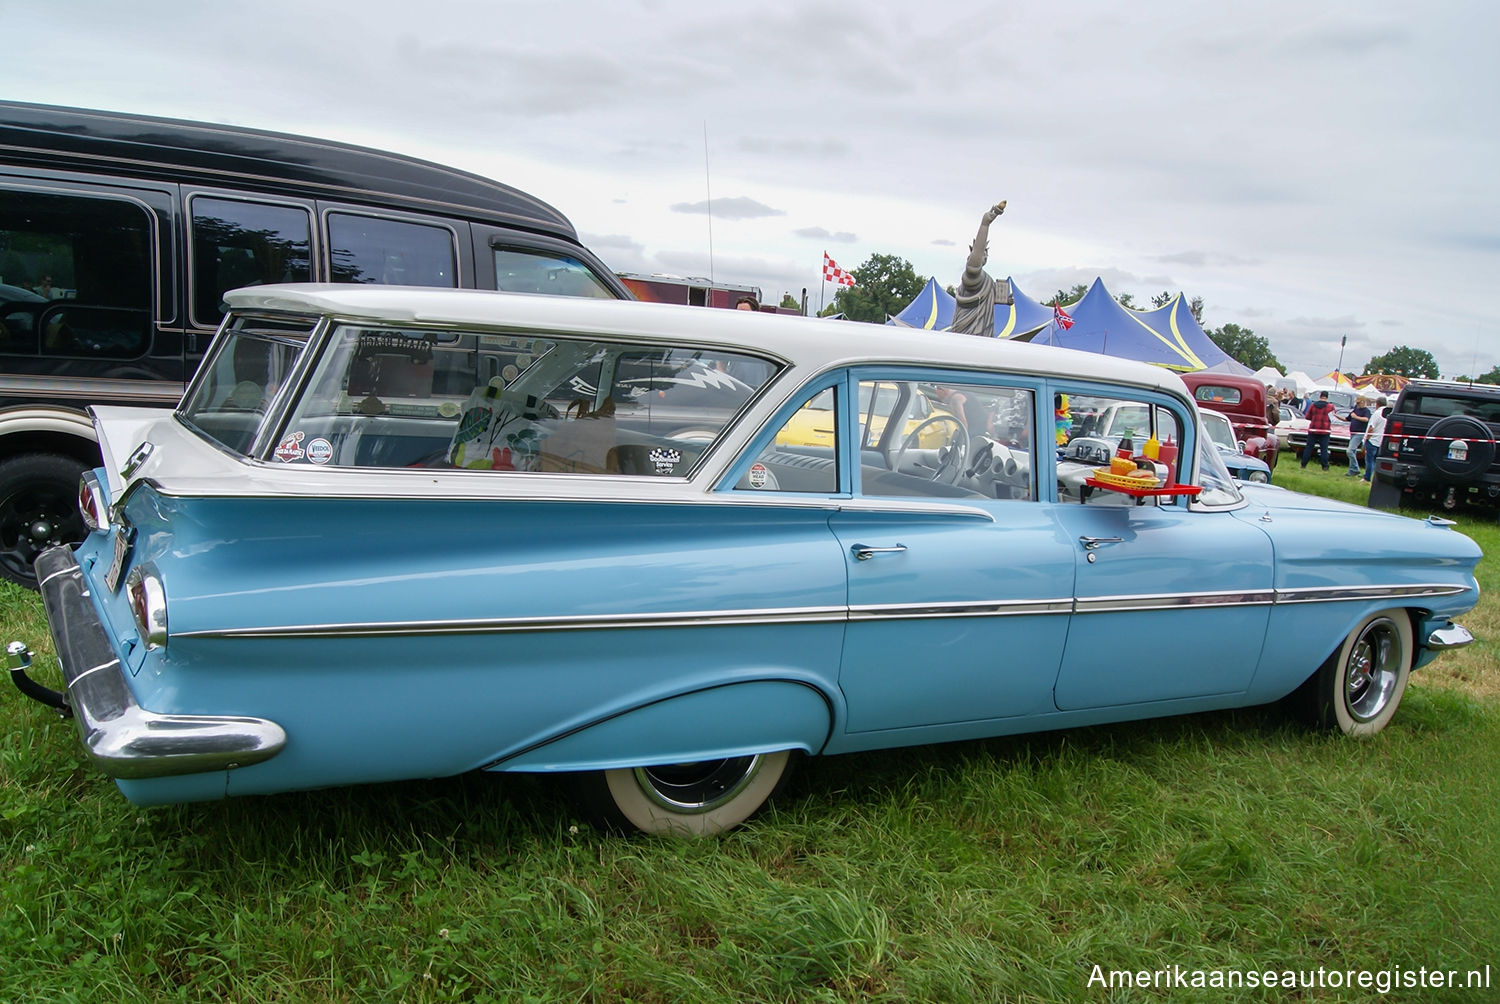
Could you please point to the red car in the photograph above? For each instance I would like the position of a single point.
(1243, 399)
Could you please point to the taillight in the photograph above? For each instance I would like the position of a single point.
(1393, 436)
(148, 604)
(91, 502)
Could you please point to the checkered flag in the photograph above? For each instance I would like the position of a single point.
(832, 272)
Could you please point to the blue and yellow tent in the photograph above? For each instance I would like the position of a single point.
(933, 310)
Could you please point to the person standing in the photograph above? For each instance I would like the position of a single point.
(1319, 417)
(1359, 422)
(1373, 436)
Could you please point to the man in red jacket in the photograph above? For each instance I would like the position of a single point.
(1319, 416)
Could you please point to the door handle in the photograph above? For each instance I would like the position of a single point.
(864, 552)
(1089, 543)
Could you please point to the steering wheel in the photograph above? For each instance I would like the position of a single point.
(950, 457)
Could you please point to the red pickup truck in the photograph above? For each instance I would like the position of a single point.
(1243, 399)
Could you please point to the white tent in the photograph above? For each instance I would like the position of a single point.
(1297, 381)
(1268, 375)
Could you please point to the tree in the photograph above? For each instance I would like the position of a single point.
(882, 286)
(1404, 361)
(1244, 345)
(1064, 297)
(788, 300)
(1195, 305)
(1493, 376)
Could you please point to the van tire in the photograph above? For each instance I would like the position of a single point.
(38, 509)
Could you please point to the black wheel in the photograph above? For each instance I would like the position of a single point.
(1359, 688)
(1383, 495)
(684, 799)
(38, 508)
(1459, 446)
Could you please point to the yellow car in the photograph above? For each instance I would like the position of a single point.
(812, 425)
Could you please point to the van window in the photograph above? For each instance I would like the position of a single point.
(370, 249)
(525, 270)
(75, 276)
(245, 244)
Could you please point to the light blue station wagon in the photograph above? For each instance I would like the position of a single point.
(400, 533)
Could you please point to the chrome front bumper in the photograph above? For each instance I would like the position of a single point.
(1448, 637)
(121, 737)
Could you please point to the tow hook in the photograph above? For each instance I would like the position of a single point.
(1450, 501)
(18, 661)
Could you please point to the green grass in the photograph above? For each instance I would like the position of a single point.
(992, 871)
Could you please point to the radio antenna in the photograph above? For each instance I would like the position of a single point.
(708, 202)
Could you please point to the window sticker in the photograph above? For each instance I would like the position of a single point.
(665, 461)
(757, 475)
(320, 451)
(290, 448)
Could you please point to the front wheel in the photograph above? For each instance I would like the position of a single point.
(696, 799)
(1359, 688)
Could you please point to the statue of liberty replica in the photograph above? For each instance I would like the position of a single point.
(977, 292)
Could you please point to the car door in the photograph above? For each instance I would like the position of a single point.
(960, 581)
(1173, 598)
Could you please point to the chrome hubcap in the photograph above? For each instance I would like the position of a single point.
(1371, 674)
(697, 787)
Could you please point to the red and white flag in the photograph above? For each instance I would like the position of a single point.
(1061, 317)
(832, 272)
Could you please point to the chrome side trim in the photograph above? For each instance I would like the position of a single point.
(994, 608)
(1335, 594)
(509, 625)
(1175, 601)
(830, 614)
(123, 739)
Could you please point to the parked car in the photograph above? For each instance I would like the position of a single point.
(1243, 400)
(144, 222)
(1439, 447)
(402, 533)
(1221, 432)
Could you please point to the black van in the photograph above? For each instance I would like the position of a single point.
(120, 233)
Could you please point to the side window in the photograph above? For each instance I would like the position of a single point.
(371, 249)
(1090, 430)
(381, 397)
(75, 276)
(946, 439)
(523, 270)
(802, 457)
(245, 244)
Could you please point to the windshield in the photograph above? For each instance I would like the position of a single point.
(1220, 430)
(1219, 488)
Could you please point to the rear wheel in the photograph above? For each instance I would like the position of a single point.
(695, 799)
(38, 508)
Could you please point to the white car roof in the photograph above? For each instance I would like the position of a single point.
(807, 343)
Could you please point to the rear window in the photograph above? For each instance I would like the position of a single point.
(1210, 394)
(1442, 405)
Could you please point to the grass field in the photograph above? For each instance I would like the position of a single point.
(1003, 870)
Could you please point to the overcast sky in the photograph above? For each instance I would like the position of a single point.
(1310, 170)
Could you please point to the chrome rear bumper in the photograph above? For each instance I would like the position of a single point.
(122, 738)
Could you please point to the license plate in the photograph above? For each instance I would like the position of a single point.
(123, 538)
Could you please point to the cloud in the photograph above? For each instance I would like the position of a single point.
(819, 233)
(1198, 259)
(737, 207)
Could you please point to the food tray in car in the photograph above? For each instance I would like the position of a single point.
(1139, 488)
